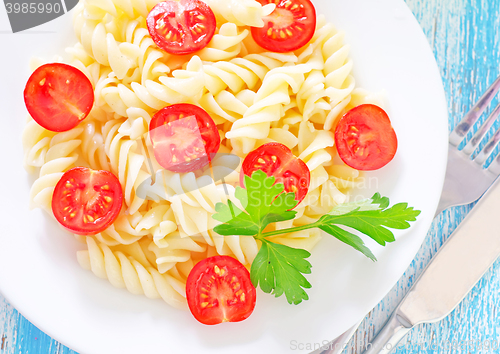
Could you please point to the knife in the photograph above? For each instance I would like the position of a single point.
(464, 258)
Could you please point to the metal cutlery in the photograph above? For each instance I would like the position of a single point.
(452, 273)
(472, 248)
(466, 180)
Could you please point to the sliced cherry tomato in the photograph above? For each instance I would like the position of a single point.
(58, 96)
(181, 27)
(365, 138)
(277, 160)
(184, 137)
(87, 201)
(219, 289)
(290, 26)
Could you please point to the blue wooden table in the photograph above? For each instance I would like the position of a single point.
(465, 38)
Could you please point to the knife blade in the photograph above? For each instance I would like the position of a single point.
(460, 263)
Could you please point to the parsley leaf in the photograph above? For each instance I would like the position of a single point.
(349, 238)
(383, 202)
(374, 223)
(279, 268)
(264, 203)
(235, 221)
(374, 203)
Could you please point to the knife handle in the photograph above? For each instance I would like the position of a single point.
(389, 336)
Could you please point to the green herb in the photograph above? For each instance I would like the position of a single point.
(278, 268)
(264, 203)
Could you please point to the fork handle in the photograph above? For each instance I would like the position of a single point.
(389, 336)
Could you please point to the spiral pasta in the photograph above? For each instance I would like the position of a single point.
(124, 271)
(55, 153)
(327, 88)
(225, 45)
(254, 97)
(268, 106)
(185, 85)
(129, 8)
(241, 12)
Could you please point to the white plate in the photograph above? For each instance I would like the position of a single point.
(40, 276)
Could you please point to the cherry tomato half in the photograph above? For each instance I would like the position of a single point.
(277, 160)
(184, 137)
(181, 27)
(58, 96)
(87, 201)
(219, 289)
(365, 138)
(290, 26)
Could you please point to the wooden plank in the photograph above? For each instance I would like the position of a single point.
(19, 336)
(465, 38)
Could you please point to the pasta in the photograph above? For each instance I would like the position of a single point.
(54, 153)
(240, 12)
(253, 96)
(128, 272)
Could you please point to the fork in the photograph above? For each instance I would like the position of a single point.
(466, 177)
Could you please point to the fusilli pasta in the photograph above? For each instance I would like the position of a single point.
(254, 97)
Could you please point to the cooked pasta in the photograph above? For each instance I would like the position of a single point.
(125, 271)
(240, 12)
(254, 97)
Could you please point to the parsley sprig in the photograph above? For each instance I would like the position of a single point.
(280, 269)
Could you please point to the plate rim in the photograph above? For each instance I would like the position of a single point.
(49, 331)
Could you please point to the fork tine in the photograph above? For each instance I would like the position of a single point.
(476, 139)
(461, 130)
(494, 167)
(492, 143)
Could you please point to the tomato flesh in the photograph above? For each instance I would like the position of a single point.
(277, 160)
(86, 201)
(58, 96)
(181, 27)
(365, 139)
(184, 137)
(290, 26)
(219, 289)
